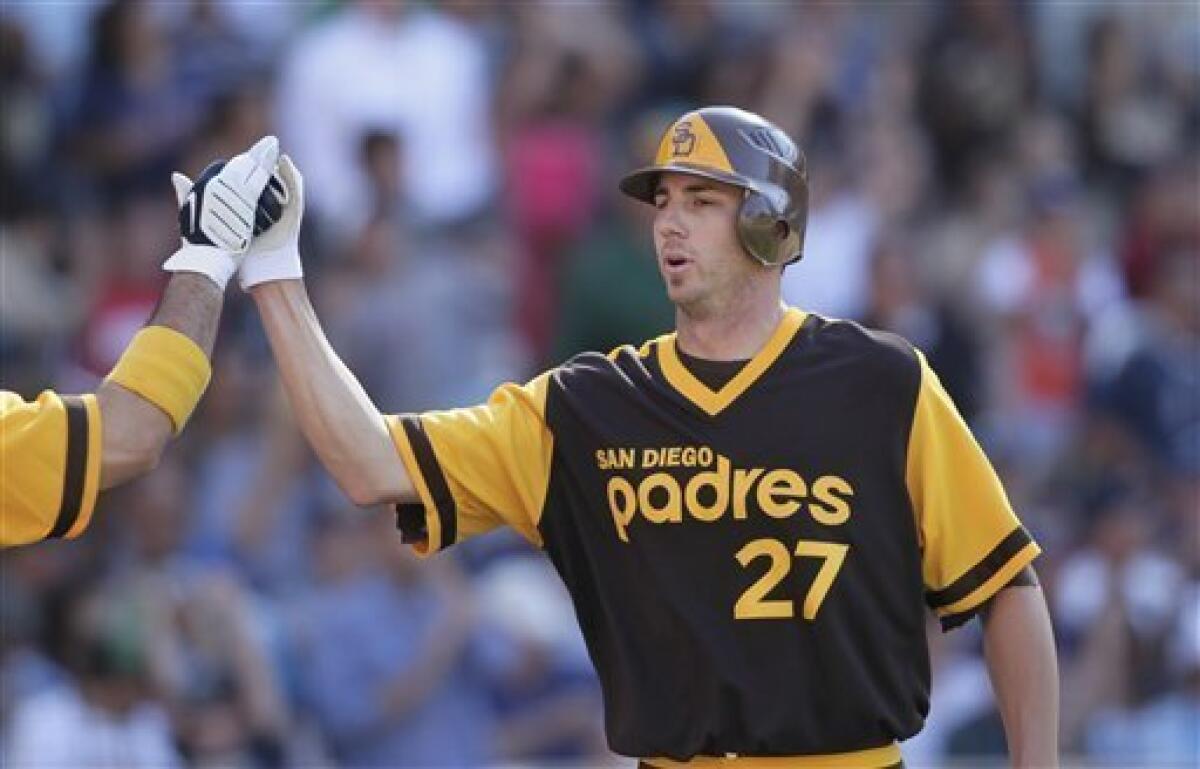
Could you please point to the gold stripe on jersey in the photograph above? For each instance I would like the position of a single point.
(714, 402)
(494, 459)
(49, 466)
(971, 541)
(872, 758)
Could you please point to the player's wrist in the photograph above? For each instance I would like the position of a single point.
(193, 284)
(269, 266)
(213, 263)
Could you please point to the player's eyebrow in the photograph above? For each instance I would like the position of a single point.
(693, 187)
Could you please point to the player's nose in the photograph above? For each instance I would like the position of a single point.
(668, 222)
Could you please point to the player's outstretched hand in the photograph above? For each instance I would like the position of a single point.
(224, 208)
(275, 255)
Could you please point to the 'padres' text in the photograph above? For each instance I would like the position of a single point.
(713, 492)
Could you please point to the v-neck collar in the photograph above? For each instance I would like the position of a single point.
(713, 402)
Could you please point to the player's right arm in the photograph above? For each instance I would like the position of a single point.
(343, 426)
(453, 474)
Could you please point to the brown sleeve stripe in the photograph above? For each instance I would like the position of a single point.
(1026, 577)
(952, 621)
(434, 478)
(74, 473)
(980, 572)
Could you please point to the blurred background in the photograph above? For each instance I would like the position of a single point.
(1014, 187)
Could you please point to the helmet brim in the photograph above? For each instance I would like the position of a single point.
(643, 183)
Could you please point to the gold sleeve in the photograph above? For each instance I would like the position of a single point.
(476, 468)
(49, 466)
(972, 543)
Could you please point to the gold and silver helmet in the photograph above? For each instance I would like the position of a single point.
(743, 149)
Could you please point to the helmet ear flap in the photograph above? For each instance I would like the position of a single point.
(764, 233)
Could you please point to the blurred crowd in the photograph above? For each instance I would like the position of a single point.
(1013, 187)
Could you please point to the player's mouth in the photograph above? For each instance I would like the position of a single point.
(675, 261)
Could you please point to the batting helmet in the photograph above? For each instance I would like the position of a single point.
(737, 147)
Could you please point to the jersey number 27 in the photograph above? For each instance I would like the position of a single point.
(754, 604)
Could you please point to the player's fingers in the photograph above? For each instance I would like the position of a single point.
(278, 189)
(265, 153)
(221, 224)
(292, 178)
(221, 232)
(182, 185)
(268, 213)
(270, 205)
(231, 197)
(263, 157)
(235, 212)
(239, 179)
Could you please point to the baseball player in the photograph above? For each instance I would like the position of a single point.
(751, 514)
(58, 452)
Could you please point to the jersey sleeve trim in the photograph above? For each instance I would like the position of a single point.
(440, 512)
(81, 469)
(91, 473)
(984, 579)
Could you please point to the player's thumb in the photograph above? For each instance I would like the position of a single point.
(182, 185)
(292, 179)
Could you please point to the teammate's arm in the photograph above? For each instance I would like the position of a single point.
(134, 430)
(158, 381)
(59, 451)
(345, 429)
(1023, 666)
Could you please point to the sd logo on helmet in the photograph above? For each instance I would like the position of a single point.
(737, 147)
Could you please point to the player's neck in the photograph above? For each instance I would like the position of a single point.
(736, 333)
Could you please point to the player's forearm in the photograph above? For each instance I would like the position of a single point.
(1023, 665)
(344, 427)
(134, 431)
(191, 305)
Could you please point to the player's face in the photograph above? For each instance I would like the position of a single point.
(695, 238)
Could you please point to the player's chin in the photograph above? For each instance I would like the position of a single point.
(681, 287)
(678, 294)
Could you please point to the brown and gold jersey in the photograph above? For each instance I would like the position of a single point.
(751, 565)
(49, 466)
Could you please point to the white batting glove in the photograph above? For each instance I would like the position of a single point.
(275, 254)
(218, 213)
